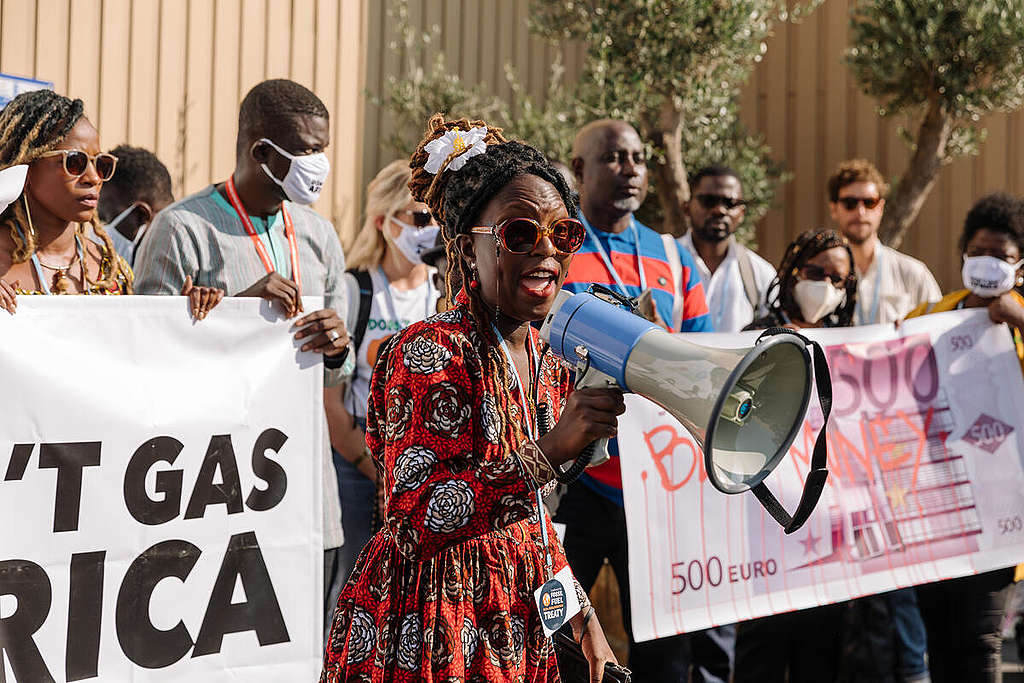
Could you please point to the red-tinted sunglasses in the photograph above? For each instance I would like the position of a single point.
(522, 235)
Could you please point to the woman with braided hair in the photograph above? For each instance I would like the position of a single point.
(816, 285)
(456, 424)
(50, 239)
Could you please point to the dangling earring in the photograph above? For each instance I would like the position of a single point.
(28, 216)
(474, 278)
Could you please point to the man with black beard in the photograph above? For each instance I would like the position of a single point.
(735, 278)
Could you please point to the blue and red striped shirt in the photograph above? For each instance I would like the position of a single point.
(623, 251)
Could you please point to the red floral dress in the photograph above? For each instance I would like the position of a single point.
(444, 592)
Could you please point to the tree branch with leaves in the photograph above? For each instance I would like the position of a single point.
(946, 63)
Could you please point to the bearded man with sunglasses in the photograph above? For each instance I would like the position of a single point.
(735, 279)
(610, 166)
(890, 282)
(255, 235)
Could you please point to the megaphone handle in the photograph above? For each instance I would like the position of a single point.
(601, 455)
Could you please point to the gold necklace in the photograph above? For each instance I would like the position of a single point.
(60, 276)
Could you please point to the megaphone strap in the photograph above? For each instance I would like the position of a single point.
(816, 478)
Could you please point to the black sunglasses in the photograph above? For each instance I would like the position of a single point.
(850, 203)
(817, 273)
(522, 235)
(712, 201)
(420, 219)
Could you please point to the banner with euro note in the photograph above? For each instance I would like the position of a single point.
(925, 482)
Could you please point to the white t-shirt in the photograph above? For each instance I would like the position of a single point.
(391, 310)
(727, 299)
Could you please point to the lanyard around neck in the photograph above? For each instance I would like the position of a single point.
(874, 295)
(289, 231)
(607, 261)
(390, 301)
(531, 428)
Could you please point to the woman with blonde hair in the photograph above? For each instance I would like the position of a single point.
(388, 288)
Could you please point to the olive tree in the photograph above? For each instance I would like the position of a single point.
(945, 63)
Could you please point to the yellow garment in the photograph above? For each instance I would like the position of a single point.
(949, 303)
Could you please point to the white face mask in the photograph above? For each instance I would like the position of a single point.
(413, 241)
(988, 276)
(306, 175)
(112, 225)
(816, 299)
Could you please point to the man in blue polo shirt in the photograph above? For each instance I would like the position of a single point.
(611, 170)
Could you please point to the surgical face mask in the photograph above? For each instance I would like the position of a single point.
(413, 241)
(112, 225)
(988, 276)
(816, 299)
(306, 175)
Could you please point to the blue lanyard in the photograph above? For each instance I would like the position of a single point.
(876, 293)
(607, 261)
(531, 429)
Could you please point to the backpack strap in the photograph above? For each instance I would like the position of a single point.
(365, 283)
(747, 276)
(676, 266)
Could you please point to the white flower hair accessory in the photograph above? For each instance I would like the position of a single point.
(465, 143)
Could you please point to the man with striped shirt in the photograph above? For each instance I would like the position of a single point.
(628, 257)
(254, 235)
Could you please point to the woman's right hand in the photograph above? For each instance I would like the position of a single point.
(589, 414)
(8, 296)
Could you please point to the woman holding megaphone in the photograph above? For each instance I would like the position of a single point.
(467, 578)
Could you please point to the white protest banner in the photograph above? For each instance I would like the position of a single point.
(160, 493)
(925, 482)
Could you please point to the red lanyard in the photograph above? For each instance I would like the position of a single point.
(289, 232)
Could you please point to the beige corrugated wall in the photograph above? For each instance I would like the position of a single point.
(802, 98)
(168, 75)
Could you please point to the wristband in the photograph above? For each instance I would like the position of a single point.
(335, 362)
(583, 626)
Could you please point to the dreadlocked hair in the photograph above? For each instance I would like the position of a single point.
(456, 199)
(32, 124)
(806, 246)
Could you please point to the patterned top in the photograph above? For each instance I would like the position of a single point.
(120, 284)
(588, 268)
(444, 592)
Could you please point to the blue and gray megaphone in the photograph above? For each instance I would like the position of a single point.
(744, 407)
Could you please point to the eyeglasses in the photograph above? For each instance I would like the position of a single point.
(522, 235)
(817, 273)
(712, 201)
(420, 219)
(76, 163)
(850, 203)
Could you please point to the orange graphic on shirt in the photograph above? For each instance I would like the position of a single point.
(373, 349)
